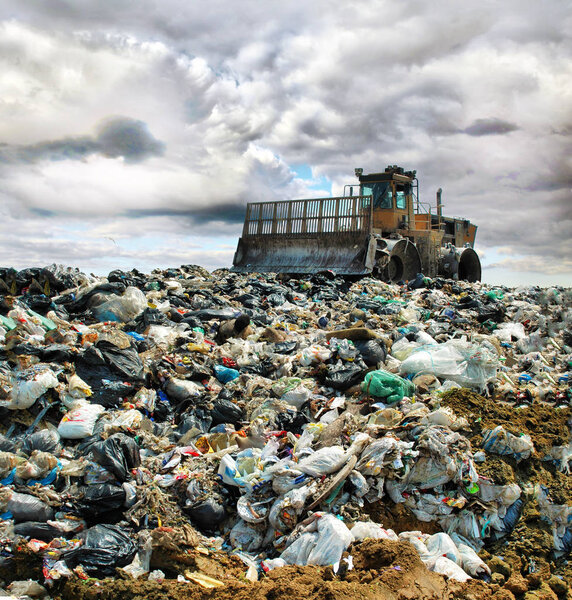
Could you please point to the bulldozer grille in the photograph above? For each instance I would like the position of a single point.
(300, 218)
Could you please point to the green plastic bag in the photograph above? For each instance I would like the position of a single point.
(388, 386)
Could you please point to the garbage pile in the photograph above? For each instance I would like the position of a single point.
(265, 415)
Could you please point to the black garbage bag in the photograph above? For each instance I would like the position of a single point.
(197, 418)
(210, 314)
(345, 377)
(118, 454)
(111, 393)
(99, 499)
(39, 303)
(123, 361)
(249, 300)
(493, 311)
(150, 316)
(57, 353)
(38, 531)
(93, 368)
(104, 548)
(372, 352)
(264, 368)
(293, 420)
(26, 349)
(225, 411)
(277, 299)
(207, 514)
(46, 440)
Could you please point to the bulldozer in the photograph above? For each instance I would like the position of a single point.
(379, 227)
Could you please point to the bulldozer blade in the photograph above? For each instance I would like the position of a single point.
(341, 254)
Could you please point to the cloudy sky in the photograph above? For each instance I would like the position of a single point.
(132, 134)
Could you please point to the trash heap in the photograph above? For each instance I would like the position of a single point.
(267, 416)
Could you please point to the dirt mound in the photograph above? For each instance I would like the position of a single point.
(382, 569)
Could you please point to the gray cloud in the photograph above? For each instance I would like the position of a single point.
(116, 137)
(489, 127)
(239, 99)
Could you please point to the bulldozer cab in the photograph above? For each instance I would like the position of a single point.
(394, 196)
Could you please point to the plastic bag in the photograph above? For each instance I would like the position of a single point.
(363, 530)
(333, 538)
(225, 411)
(225, 374)
(324, 461)
(299, 551)
(313, 355)
(121, 308)
(441, 544)
(342, 378)
(29, 386)
(372, 352)
(499, 441)
(46, 440)
(247, 536)
(100, 499)
(388, 386)
(447, 567)
(123, 361)
(24, 507)
(80, 421)
(37, 466)
(104, 548)
(467, 364)
(297, 396)
(472, 564)
(118, 453)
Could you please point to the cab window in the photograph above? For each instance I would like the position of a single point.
(400, 199)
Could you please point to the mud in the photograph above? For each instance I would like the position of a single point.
(382, 569)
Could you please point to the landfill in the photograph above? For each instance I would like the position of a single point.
(215, 435)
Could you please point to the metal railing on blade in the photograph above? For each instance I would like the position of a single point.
(315, 216)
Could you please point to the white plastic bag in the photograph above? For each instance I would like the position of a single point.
(322, 542)
(299, 551)
(79, 422)
(324, 461)
(467, 364)
(122, 308)
(499, 441)
(447, 567)
(441, 544)
(247, 536)
(363, 529)
(333, 538)
(29, 386)
(472, 564)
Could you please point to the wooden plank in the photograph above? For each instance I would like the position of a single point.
(340, 476)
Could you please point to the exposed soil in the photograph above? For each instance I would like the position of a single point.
(382, 569)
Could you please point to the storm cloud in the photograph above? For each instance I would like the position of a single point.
(490, 127)
(154, 123)
(117, 137)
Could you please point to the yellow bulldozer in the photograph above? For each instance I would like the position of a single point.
(378, 227)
